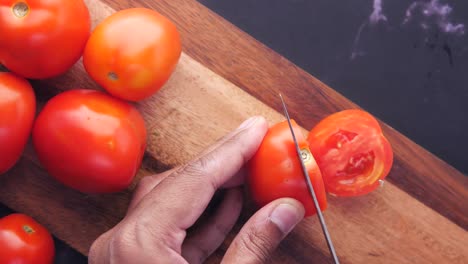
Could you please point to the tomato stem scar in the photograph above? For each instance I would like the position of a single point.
(112, 76)
(20, 9)
(28, 229)
(306, 156)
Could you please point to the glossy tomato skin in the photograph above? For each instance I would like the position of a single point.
(132, 53)
(90, 141)
(17, 111)
(47, 40)
(23, 240)
(351, 151)
(275, 170)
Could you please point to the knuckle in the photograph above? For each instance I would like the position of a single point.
(257, 244)
(198, 168)
(120, 244)
(94, 253)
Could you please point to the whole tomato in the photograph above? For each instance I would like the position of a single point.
(132, 53)
(42, 38)
(23, 240)
(17, 110)
(90, 141)
(351, 151)
(275, 170)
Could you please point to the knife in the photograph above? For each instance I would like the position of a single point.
(310, 188)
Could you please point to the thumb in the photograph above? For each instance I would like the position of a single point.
(260, 236)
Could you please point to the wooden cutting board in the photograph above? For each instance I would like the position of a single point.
(224, 77)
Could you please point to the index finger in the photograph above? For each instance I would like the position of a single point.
(183, 196)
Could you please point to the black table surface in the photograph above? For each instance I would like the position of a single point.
(404, 61)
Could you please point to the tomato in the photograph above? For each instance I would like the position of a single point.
(42, 38)
(90, 141)
(275, 170)
(17, 111)
(23, 240)
(351, 151)
(132, 53)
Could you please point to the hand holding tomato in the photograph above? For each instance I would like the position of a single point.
(41, 39)
(351, 153)
(166, 205)
(23, 240)
(90, 141)
(132, 53)
(17, 110)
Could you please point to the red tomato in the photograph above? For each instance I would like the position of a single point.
(23, 240)
(42, 38)
(90, 141)
(275, 170)
(17, 110)
(351, 151)
(133, 53)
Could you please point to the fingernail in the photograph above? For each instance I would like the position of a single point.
(247, 123)
(286, 217)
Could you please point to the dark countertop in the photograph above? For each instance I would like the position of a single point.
(404, 61)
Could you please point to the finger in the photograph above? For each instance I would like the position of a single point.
(145, 185)
(260, 236)
(208, 237)
(99, 249)
(184, 195)
(236, 180)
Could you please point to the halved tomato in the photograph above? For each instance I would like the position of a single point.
(351, 151)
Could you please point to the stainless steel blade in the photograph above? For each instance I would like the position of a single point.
(311, 189)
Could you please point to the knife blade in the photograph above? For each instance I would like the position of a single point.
(310, 188)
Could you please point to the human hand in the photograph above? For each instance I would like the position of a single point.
(164, 206)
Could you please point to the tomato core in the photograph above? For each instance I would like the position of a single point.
(112, 76)
(28, 229)
(20, 9)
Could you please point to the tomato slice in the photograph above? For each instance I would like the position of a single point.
(275, 170)
(351, 151)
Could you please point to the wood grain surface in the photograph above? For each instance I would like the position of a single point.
(225, 76)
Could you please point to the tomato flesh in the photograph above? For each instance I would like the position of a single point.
(351, 151)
